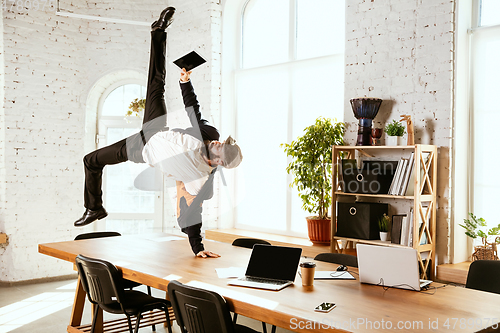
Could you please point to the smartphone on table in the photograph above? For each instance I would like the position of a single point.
(324, 307)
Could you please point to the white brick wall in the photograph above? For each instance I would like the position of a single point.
(398, 50)
(401, 51)
(51, 65)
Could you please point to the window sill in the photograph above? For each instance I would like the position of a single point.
(456, 273)
(229, 235)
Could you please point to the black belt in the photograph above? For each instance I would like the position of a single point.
(144, 138)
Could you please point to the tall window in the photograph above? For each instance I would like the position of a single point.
(291, 71)
(485, 110)
(131, 211)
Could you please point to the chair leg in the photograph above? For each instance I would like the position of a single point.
(273, 330)
(169, 327)
(153, 327)
(264, 327)
(138, 322)
(129, 324)
(235, 317)
(94, 320)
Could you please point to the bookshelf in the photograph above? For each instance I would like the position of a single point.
(423, 200)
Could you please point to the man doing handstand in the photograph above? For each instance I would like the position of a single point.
(188, 155)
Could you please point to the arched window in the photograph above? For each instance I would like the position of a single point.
(131, 211)
(287, 71)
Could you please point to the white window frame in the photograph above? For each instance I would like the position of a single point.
(468, 20)
(232, 44)
(105, 122)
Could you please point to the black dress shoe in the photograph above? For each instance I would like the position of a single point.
(90, 216)
(165, 19)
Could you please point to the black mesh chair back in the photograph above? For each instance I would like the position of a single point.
(98, 234)
(201, 311)
(338, 258)
(249, 242)
(102, 281)
(483, 275)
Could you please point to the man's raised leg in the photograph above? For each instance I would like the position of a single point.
(155, 110)
(131, 147)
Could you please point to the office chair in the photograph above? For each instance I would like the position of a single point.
(197, 310)
(127, 284)
(98, 234)
(338, 258)
(483, 275)
(102, 282)
(249, 243)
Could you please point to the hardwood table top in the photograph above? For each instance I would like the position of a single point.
(155, 259)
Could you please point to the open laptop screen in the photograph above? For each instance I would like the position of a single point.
(274, 262)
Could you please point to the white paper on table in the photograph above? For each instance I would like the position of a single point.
(230, 272)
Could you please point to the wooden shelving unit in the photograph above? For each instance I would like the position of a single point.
(423, 200)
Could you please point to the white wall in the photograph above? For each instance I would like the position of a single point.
(402, 51)
(51, 65)
(398, 50)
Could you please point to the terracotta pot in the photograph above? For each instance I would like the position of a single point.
(319, 230)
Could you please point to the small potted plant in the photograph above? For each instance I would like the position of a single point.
(136, 108)
(383, 227)
(395, 132)
(474, 228)
(311, 167)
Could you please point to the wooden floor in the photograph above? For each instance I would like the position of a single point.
(456, 273)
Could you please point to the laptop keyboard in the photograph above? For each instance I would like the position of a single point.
(262, 280)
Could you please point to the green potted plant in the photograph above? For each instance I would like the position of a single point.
(383, 226)
(136, 108)
(311, 167)
(476, 227)
(395, 132)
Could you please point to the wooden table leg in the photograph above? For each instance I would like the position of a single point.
(78, 303)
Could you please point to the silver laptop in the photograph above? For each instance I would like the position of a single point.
(270, 267)
(394, 267)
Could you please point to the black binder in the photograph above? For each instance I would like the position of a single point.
(374, 178)
(190, 61)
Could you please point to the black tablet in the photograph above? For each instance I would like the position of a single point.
(189, 61)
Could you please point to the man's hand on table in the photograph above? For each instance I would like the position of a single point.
(207, 254)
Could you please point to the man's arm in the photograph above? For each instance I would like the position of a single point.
(189, 215)
(207, 131)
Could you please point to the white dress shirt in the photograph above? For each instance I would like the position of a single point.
(178, 156)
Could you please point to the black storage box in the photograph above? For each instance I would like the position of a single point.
(359, 219)
(374, 178)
